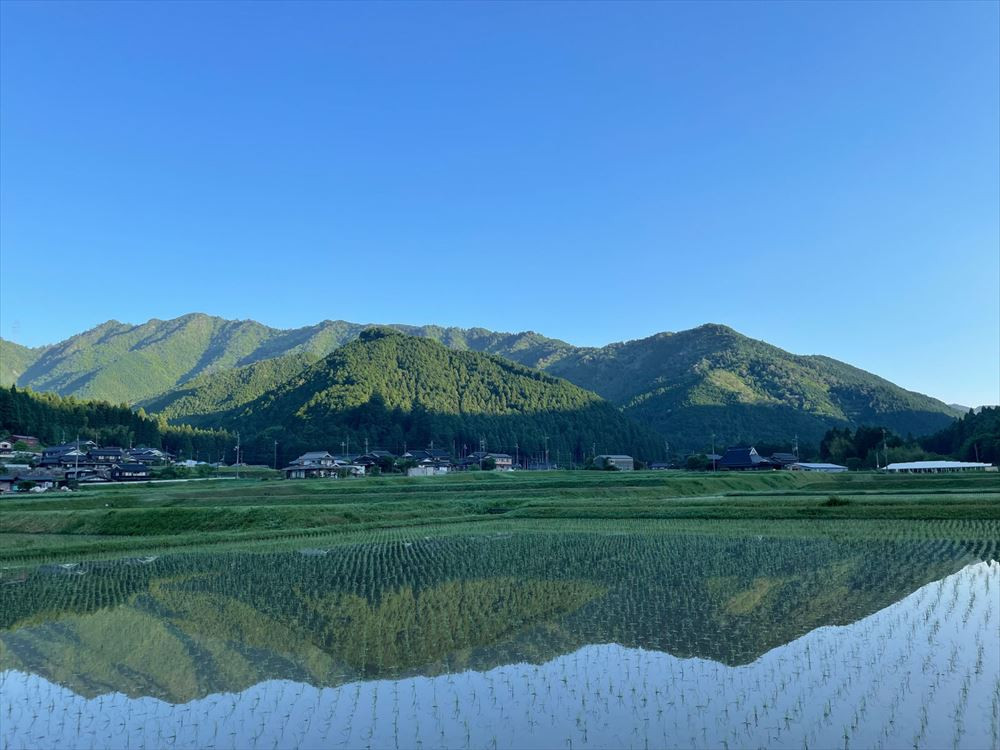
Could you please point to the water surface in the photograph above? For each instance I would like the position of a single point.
(531, 639)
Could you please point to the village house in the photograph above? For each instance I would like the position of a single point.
(149, 455)
(502, 461)
(745, 459)
(784, 459)
(130, 472)
(373, 458)
(45, 480)
(314, 465)
(105, 456)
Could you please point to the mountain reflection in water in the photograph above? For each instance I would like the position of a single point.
(588, 640)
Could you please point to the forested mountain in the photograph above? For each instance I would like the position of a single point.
(396, 390)
(686, 385)
(56, 419)
(711, 379)
(14, 360)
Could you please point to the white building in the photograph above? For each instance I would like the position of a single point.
(827, 468)
(426, 471)
(935, 467)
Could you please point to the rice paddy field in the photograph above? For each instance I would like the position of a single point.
(505, 611)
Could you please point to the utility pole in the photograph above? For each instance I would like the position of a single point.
(713, 452)
(547, 452)
(885, 447)
(343, 451)
(366, 445)
(796, 447)
(517, 455)
(275, 455)
(237, 455)
(76, 474)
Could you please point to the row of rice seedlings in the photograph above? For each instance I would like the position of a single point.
(919, 673)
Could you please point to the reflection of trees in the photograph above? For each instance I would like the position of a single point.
(407, 629)
(185, 625)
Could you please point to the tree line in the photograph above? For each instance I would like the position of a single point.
(55, 419)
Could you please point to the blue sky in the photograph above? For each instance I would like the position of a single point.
(822, 176)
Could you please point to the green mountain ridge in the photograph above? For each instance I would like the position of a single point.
(685, 385)
(395, 390)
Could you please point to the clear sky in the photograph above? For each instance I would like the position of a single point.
(822, 176)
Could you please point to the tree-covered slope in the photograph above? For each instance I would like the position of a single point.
(14, 360)
(974, 437)
(211, 397)
(132, 363)
(393, 389)
(711, 379)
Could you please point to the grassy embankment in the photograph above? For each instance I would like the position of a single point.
(138, 517)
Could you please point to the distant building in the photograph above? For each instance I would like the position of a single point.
(315, 458)
(129, 472)
(611, 461)
(827, 468)
(6, 446)
(149, 455)
(936, 467)
(744, 459)
(660, 465)
(30, 440)
(502, 461)
(46, 480)
(426, 471)
(316, 471)
(784, 459)
(372, 458)
(436, 455)
(105, 456)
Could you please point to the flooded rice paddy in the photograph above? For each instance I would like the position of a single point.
(541, 638)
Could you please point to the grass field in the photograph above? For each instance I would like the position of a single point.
(126, 518)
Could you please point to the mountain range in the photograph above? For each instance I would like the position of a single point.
(683, 387)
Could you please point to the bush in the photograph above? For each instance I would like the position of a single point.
(835, 502)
